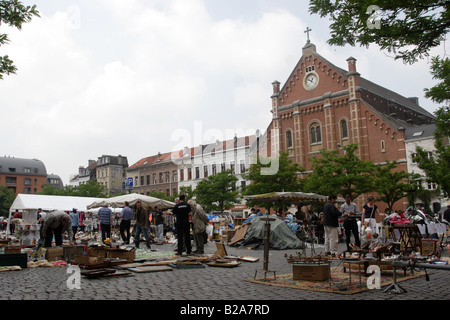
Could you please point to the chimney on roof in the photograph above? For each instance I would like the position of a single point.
(276, 87)
(415, 100)
(351, 65)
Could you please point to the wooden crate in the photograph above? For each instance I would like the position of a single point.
(310, 272)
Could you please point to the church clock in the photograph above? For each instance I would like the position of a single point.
(311, 81)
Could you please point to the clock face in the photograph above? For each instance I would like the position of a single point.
(311, 81)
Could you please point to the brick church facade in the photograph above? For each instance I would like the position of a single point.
(322, 106)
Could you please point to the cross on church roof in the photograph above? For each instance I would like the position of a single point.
(307, 34)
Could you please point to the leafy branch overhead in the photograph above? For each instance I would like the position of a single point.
(409, 29)
(14, 14)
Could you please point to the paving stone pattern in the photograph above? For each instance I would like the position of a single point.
(210, 283)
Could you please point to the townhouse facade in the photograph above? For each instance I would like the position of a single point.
(26, 176)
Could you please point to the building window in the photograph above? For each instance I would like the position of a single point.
(11, 180)
(205, 171)
(197, 173)
(189, 173)
(27, 182)
(214, 169)
(431, 185)
(148, 179)
(182, 175)
(242, 166)
(316, 135)
(289, 143)
(383, 146)
(232, 167)
(344, 129)
(142, 180)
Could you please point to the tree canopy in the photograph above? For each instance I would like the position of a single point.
(408, 29)
(218, 191)
(340, 174)
(13, 13)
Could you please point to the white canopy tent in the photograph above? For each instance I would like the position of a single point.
(132, 198)
(48, 203)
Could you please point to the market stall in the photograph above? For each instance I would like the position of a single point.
(28, 204)
(131, 198)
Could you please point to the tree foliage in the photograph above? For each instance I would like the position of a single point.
(7, 197)
(218, 191)
(389, 184)
(436, 167)
(91, 189)
(284, 179)
(340, 174)
(13, 13)
(440, 93)
(408, 29)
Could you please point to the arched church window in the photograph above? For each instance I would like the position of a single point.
(289, 143)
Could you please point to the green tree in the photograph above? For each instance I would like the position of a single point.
(7, 197)
(13, 13)
(91, 189)
(408, 29)
(340, 174)
(187, 191)
(218, 191)
(416, 190)
(440, 93)
(390, 185)
(284, 179)
(436, 167)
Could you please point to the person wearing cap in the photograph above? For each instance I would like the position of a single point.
(75, 221)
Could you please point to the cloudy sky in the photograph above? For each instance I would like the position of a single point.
(138, 77)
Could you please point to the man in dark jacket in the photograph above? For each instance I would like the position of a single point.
(331, 223)
(142, 224)
(182, 210)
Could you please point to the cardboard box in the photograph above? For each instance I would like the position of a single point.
(429, 247)
(70, 252)
(97, 251)
(129, 255)
(88, 260)
(311, 272)
(34, 255)
(54, 254)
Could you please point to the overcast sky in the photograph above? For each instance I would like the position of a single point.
(138, 77)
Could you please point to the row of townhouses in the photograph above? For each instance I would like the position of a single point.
(171, 171)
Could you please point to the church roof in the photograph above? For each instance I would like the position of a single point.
(408, 105)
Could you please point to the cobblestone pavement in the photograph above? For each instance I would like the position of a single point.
(210, 283)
